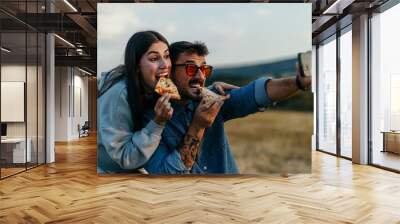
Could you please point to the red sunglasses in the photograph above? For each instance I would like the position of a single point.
(191, 69)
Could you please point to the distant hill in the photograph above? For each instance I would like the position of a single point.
(243, 74)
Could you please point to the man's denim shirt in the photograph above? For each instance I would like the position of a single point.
(215, 154)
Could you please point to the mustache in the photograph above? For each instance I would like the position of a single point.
(196, 81)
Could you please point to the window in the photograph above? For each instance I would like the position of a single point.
(346, 92)
(327, 96)
(385, 89)
(22, 68)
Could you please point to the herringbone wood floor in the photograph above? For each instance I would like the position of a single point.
(70, 191)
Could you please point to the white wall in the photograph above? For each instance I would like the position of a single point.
(82, 82)
(13, 72)
(61, 103)
(70, 84)
(79, 112)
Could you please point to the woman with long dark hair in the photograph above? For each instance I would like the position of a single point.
(125, 142)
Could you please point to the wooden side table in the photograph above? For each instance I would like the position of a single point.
(391, 141)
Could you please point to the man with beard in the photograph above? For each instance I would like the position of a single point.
(194, 139)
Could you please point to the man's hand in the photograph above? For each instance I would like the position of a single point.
(205, 114)
(221, 87)
(282, 88)
(305, 81)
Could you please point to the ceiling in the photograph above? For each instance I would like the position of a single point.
(76, 22)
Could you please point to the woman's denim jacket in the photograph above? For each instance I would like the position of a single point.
(120, 149)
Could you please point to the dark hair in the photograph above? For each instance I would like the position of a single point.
(137, 45)
(180, 47)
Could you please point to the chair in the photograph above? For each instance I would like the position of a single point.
(84, 130)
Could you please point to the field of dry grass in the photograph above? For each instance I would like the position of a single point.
(272, 142)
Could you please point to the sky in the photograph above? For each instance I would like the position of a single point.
(235, 33)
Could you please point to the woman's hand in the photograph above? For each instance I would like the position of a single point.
(163, 109)
(221, 87)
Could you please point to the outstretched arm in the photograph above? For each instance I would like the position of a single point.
(280, 89)
(221, 87)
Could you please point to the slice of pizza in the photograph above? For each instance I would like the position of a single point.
(165, 85)
(209, 96)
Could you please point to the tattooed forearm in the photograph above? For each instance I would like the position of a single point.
(189, 150)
